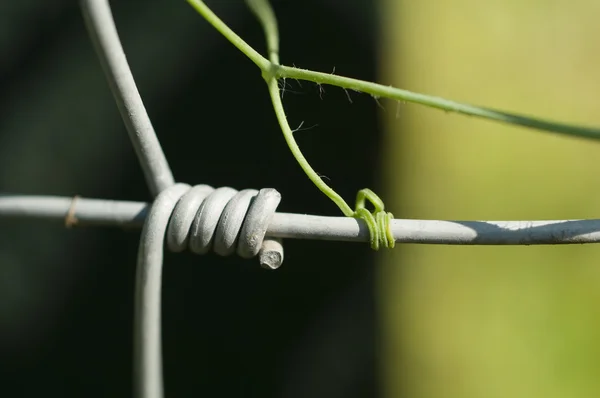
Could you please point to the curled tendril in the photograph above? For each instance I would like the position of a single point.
(378, 221)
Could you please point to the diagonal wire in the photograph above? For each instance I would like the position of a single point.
(102, 30)
(148, 372)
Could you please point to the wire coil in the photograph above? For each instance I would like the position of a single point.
(200, 218)
(224, 220)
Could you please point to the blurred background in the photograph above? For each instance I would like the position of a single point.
(491, 321)
(420, 321)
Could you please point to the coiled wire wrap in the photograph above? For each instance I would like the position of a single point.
(225, 220)
(200, 218)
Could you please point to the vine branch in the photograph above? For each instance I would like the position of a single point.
(382, 91)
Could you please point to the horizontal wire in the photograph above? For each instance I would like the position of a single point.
(97, 212)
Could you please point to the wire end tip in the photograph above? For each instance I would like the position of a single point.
(271, 254)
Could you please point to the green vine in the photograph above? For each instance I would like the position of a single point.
(378, 221)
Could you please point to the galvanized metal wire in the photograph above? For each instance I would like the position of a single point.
(97, 212)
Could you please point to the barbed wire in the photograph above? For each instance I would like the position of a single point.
(225, 220)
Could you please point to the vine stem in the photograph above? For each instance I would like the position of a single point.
(237, 41)
(289, 138)
(263, 11)
(378, 90)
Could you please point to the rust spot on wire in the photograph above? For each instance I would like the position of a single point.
(70, 219)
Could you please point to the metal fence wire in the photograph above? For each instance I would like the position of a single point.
(227, 221)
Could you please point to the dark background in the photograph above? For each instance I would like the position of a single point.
(230, 328)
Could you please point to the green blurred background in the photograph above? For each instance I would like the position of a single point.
(491, 321)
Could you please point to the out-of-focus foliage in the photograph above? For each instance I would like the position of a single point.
(491, 321)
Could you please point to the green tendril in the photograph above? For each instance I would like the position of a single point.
(377, 221)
